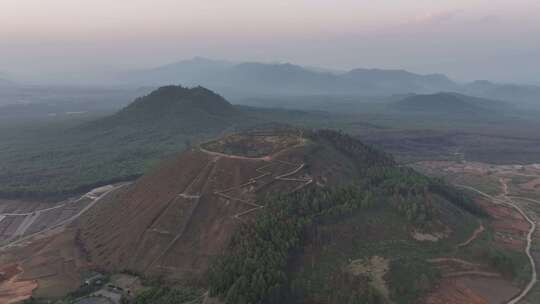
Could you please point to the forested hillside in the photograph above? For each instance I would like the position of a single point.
(266, 260)
(72, 156)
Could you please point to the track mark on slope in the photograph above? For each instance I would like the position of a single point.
(474, 235)
(263, 173)
(209, 168)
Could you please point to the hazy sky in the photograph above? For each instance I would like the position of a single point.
(466, 39)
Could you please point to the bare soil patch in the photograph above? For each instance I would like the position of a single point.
(12, 288)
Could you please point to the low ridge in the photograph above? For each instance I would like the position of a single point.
(449, 103)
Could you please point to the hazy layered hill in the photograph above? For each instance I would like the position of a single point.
(526, 94)
(175, 109)
(449, 103)
(399, 80)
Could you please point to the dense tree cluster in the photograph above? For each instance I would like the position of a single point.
(410, 277)
(502, 260)
(364, 156)
(169, 295)
(254, 269)
(458, 198)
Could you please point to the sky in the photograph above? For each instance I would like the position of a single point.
(497, 40)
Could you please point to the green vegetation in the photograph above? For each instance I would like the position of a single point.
(85, 290)
(458, 198)
(71, 155)
(254, 270)
(258, 265)
(501, 261)
(255, 143)
(74, 156)
(169, 295)
(409, 278)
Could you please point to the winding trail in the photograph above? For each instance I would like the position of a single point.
(473, 237)
(507, 201)
(189, 193)
(270, 161)
(283, 177)
(534, 278)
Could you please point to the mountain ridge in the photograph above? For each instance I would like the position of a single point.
(247, 79)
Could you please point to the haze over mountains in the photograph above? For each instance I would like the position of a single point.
(240, 81)
(253, 78)
(286, 78)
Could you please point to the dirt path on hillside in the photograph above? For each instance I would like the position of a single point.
(219, 154)
(525, 199)
(282, 177)
(473, 237)
(33, 212)
(12, 290)
(507, 201)
(269, 159)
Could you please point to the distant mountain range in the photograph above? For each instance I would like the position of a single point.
(450, 104)
(235, 80)
(286, 79)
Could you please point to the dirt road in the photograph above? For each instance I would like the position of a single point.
(507, 201)
(534, 279)
(473, 237)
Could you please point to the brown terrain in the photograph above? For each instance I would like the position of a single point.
(173, 221)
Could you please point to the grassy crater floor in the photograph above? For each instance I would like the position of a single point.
(255, 144)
